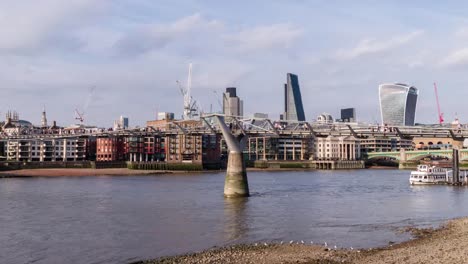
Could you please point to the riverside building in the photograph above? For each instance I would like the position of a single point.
(338, 148)
(48, 149)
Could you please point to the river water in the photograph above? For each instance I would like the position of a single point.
(127, 218)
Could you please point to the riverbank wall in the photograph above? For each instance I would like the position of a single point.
(338, 164)
(165, 166)
(312, 164)
(17, 165)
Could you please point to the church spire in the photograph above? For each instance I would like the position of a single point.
(44, 117)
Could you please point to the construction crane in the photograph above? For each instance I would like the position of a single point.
(80, 116)
(441, 115)
(190, 105)
(218, 100)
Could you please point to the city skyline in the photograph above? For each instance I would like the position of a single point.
(132, 52)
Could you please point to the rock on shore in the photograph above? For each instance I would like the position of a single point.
(448, 244)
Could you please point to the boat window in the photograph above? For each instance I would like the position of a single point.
(425, 177)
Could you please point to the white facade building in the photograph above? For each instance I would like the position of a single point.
(52, 149)
(338, 148)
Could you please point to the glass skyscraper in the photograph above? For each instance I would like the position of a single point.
(293, 108)
(398, 104)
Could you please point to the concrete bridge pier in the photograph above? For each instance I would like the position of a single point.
(236, 183)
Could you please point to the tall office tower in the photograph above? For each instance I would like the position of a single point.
(122, 123)
(293, 108)
(398, 104)
(232, 105)
(348, 115)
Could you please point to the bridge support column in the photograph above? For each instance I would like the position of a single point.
(236, 183)
(402, 155)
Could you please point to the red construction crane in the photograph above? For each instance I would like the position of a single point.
(441, 115)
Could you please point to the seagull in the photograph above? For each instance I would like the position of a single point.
(351, 248)
(256, 244)
(302, 241)
(311, 242)
(265, 244)
(281, 242)
(290, 242)
(335, 247)
(326, 245)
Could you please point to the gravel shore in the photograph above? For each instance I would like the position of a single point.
(61, 172)
(448, 244)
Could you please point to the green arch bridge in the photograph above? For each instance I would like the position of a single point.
(415, 155)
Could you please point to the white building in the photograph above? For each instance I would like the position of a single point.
(165, 116)
(325, 118)
(338, 148)
(47, 149)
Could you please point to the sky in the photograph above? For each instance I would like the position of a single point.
(109, 58)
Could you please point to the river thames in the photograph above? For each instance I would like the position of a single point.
(127, 218)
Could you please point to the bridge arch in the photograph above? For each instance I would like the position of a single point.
(426, 155)
(384, 155)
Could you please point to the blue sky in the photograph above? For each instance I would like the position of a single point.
(52, 52)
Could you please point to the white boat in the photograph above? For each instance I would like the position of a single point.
(426, 174)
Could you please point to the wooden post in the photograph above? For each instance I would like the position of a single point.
(455, 167)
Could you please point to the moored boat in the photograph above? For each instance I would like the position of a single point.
(426, 174)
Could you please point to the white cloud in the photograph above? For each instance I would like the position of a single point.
(157, 36)
(456, 58)
(462, 32)
(26, 25)
(371, 46)
(265, 37)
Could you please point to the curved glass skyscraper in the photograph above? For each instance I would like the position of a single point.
(398, 104)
